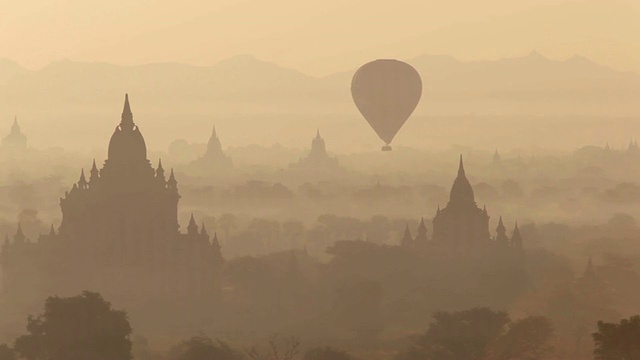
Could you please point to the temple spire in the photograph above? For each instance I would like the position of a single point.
(421, 235)
(461, 191)
(214, 147)
(192, 228)
(82, 183)
(52, 231)
(318, 147)
(127, 107)
(127, 116)
(203, 230)
(407, 238)
(15, 139)
(500, 225)
(217, 248)
(94, 174)
(516, 238)
(15, 128)
(172, 183)
(589, 272)
(19, 236)
(501, 234)
(160, 171)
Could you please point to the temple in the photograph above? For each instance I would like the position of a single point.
(15, 140)
(633, 147)
(214, 160)
(496, 157)
(119, 234)
(318, 159)
(462, 228)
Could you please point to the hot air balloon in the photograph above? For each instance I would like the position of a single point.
(386, 92)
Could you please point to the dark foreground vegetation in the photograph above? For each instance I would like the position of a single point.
(87, 327)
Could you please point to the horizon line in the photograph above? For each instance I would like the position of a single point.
(531, 53)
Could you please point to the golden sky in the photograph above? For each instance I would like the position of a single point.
(316, 37)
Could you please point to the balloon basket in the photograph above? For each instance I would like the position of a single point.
(386, 148)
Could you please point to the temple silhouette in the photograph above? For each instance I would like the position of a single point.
(15, 140)
(462, 228)
(318, 159)
(214, 161)
(119, 235)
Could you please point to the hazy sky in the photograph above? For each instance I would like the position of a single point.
(316, 37)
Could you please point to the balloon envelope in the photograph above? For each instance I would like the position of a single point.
(386, 92)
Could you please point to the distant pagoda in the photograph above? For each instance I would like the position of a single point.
(462, 228)
(213, 160)
(15, 140)
(318, 158)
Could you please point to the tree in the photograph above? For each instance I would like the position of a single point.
(378, 229)
(203, 348)
(293, 231)
(527, 339)
(7, 353)
(462, 335)
(142, 351)
(481, 333)
(288, 351)
(267, 231)
(327, 353)
(618, 341)
(77, 328)
(357, 306)
(31, 223)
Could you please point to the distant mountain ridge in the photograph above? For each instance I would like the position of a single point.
(247, 85)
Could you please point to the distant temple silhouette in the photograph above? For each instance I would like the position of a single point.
(633, 147)
(496, 157)
(15, 140)
(462, 228)
(214, 159)
(318, 158)
(119, 234)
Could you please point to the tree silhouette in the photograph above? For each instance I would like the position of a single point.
(227, 222)
(76, 328)
(526, 339)
(7, 353)
(357, 306)
(481, 333)
(293, 231)
(463, 335)
(142, 351)
(288, 351)
(618, 341)
(203, 348)
(327, 353)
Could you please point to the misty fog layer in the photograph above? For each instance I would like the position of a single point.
(195, 182)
